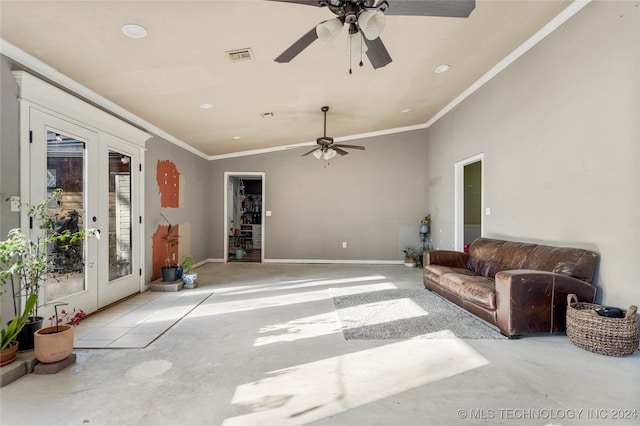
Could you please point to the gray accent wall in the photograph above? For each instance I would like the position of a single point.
(196, 194)
(373, 200)
(559, 130)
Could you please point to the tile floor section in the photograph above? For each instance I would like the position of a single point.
(138, 321)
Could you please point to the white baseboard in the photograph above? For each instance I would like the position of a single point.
(316, 261)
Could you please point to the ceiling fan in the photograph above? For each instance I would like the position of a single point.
(326, 148)
(366, 18)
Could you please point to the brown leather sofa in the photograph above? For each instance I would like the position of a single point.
(520, 288)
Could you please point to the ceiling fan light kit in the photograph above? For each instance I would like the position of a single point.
(368, 17)
(371, 23)
(329, 31)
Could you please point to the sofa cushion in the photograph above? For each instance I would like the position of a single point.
(487, 257)
(473, 288)
(436, 271)
(574, 262)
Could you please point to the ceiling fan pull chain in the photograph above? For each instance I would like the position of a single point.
(361, 49)
(350, 53)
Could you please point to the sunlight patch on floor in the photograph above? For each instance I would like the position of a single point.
(222, 305)
(309, 392)
(299, 328)
(383, 312)
(298, 284)
(225, 306)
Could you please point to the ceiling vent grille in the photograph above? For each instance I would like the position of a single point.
(240, 55)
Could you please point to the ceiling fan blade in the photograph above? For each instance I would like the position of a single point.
(341, 145)
(338, 150)
(377, 53)
(297, 47)
(313, 150)
(303, 2)
(445, 8)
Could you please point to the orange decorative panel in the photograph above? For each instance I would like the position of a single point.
(168, 179)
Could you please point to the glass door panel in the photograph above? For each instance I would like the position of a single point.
(66, 170)
(118, 169)
(120, 214)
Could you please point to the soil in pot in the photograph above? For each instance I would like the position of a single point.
(52, 346)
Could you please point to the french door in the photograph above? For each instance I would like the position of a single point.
(99, 177)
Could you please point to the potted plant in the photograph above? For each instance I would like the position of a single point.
(189, 277)
(9, 335)
(425, 224)
(55, 343)
(410, 256)
(170, 238)
(27, 261)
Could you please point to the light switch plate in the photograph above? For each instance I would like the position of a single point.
(15, 203)
(268, 213)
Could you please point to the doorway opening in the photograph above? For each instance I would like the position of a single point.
(244, 217)
(469, 201)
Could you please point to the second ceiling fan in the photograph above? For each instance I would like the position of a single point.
(326, 148)
(366, 22)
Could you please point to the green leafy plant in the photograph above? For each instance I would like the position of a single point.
(426, 220)
(410, 252)
(187, 263)
(9, 335)
(26, 263)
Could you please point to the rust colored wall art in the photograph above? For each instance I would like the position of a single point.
(168, 179)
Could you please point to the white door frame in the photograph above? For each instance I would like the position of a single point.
(458, 233)
(225, 216)
(37, 95)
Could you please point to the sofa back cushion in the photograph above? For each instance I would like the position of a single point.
(487, 257)
(574, 262)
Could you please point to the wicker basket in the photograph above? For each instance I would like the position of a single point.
(602, 335)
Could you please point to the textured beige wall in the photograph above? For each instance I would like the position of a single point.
(371, 199)
(560, 132)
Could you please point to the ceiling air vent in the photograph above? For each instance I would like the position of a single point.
(240, 55)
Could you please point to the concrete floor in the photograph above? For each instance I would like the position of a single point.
(265, 349)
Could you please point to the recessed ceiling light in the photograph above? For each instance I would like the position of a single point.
(206, 106)
(236, 137)
(442, 68)
(404, 111)
(134, 31)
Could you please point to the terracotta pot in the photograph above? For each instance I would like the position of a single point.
(50, 346)
(8, 355)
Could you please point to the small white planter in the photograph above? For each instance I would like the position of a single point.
(189, 279)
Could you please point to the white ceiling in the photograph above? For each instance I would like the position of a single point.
(181, 64)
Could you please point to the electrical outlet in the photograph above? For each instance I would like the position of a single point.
(344, 244)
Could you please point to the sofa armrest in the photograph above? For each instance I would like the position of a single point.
(454, 259)
(529, 301)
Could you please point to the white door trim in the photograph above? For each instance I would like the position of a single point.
(458, 233)
(225, 217)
